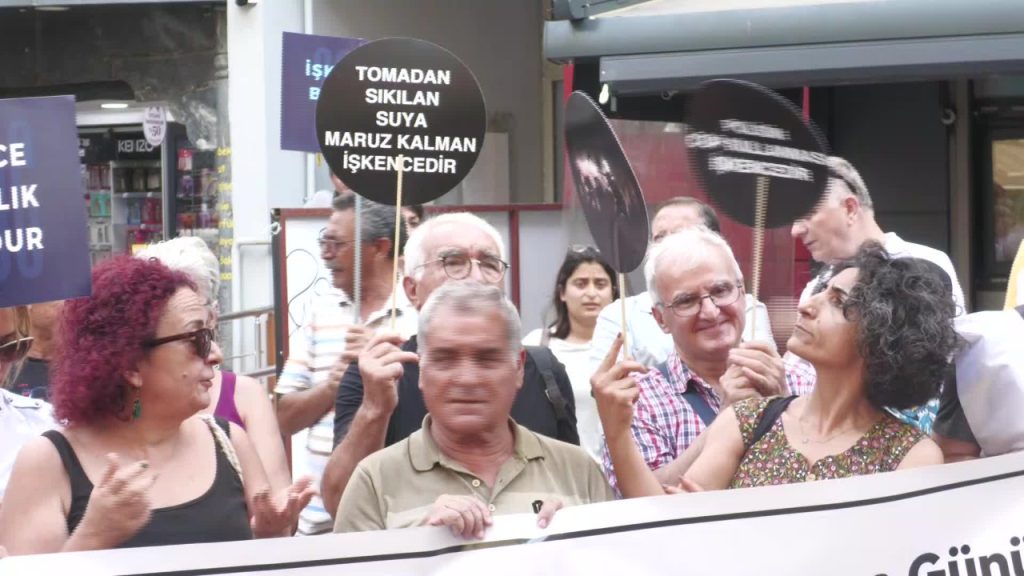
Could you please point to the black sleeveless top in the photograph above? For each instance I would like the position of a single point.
(219, 515)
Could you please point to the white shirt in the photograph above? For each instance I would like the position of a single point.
(648, 344)
(576, 359)
(21, 419)
(990, 379)
(312, 352)
(899, 248)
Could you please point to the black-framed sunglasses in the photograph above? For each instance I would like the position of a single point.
(202, 340)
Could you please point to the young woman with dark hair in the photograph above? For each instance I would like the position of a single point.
(584, 286)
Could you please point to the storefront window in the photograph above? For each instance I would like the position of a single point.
(1008, 197)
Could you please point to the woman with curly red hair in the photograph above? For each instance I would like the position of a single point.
(135, 465)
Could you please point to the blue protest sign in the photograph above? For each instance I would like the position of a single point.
(44, 243)
(307, 60)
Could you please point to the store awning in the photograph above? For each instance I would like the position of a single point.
(675, 44)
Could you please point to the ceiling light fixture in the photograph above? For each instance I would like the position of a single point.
(114, 105)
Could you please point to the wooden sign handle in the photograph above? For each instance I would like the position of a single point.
(757, 257)
(398, 236)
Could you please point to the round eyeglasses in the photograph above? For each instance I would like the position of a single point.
(458, 266)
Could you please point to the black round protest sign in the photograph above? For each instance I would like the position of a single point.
(607, 188)
(738, 132)
(400, 103)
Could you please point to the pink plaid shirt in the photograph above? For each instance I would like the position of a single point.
(664, 424)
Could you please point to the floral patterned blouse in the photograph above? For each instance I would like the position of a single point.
(773, 461)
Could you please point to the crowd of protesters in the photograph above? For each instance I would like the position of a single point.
(120, 429)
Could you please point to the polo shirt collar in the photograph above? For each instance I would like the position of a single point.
(425, 454)
(401, 300)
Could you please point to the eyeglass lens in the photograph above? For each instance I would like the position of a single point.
(459, 266)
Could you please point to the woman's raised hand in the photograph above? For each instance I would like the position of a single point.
(276, 515)
(119, 505)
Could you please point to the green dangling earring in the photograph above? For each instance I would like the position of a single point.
(136, 409)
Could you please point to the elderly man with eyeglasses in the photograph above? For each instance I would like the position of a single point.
(21, 418)
(696, 287)
(331, 336)
(373, 412)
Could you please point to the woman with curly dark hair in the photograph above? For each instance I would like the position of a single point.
(880, 335)
(135, 465)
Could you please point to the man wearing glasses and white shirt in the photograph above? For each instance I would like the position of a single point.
(648, 343)
(372, 412)
(331, 337)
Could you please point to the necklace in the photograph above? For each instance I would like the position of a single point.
(807, 440)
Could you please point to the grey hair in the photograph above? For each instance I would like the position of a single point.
(693, 247)
(466, 298)
(378, 220)
(841, 170)
(415, 254)
(191, 255)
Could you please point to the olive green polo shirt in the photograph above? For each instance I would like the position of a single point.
(396, 487)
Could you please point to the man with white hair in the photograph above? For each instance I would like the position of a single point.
(470, 460)
(696, 287)
(835, 230)
(331, 337)
(648, 343)
(373, 411)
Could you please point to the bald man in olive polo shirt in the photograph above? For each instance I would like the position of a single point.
(470, 460)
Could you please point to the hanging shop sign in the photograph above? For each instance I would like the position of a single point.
(44, 242)
(154, 125)
(306, 61)
(740, 132)
(401, 105)
(606, 186)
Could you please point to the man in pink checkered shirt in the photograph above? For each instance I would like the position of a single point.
(697, 289)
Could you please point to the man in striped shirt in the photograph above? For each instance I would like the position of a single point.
(697, 289)
(332, 337)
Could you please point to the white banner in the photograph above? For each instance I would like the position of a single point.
(955, 520)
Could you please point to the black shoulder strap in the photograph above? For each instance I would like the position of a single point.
(224, 425)
(771, 413)
(542, 359)
(73, 466)
(693, 397)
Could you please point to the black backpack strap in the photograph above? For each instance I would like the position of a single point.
(693, 397)
(542, 359)
(771, 413)
(565, 422)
